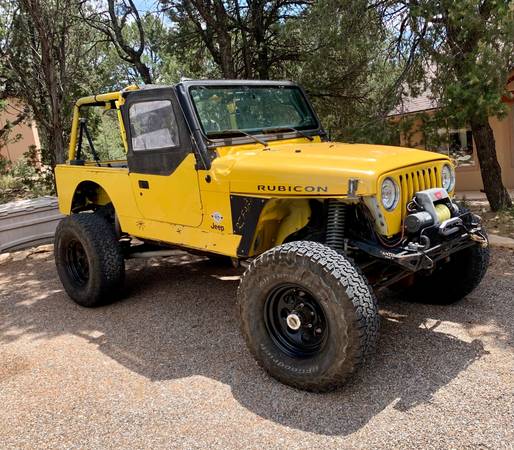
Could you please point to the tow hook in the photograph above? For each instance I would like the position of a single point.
(480, 238)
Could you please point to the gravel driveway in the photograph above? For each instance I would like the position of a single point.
(167, 367)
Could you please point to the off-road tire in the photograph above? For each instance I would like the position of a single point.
(346, 298)
(453, 280)
(101, 253)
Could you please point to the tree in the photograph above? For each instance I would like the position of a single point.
(123, 26)
(117, 73)
(47, 56)
(21, 112)
(348, 73)
(469, 44)
(243, 38)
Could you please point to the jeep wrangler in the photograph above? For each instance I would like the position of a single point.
(243, 170)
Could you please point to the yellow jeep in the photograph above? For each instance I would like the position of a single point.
(244, 170)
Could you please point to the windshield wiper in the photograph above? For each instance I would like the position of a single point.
(277, 129)
(244, 133)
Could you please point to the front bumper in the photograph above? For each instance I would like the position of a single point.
(446, 239)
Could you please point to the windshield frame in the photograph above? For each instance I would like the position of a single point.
(214, 141)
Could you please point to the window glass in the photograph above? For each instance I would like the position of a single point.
(153, 125)
(251, 108)
(457, 144)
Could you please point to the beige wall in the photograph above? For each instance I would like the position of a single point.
(469, 178)
(15, 148)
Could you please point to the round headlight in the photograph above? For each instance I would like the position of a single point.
(390, 194)
(448, 177)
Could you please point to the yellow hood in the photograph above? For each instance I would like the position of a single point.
(320, 168)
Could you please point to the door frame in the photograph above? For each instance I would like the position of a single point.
(161, 161)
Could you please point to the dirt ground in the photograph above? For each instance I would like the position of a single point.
(500, 223)
(167, 368)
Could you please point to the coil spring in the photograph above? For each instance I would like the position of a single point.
(335, 225)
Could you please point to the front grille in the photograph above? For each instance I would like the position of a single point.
(414, 180)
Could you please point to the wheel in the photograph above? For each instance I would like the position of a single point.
(308, 315)
(89, 260)
(453, 280)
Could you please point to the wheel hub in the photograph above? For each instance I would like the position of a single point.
(295, 320)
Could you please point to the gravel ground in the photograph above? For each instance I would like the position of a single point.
(167, 367)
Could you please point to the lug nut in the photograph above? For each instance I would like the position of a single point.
(317, 330)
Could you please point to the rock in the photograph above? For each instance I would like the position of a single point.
(19, 256)
(39, 255)
(44, 248)
(4, 257)
(501, 241)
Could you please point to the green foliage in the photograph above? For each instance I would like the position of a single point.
(462, 51)
(25, 178)
(105, 133)
(339, 50)
(4, 165)
(348, 75)
(346, 71)
(472, 71)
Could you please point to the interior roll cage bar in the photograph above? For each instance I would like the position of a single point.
(84, 130)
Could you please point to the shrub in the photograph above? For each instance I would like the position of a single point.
(26, 178)
(4, 165)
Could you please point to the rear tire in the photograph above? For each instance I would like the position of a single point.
(310, 286)
(89, 260)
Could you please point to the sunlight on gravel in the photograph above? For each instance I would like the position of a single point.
(167, 368)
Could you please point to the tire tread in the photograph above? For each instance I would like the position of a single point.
(339, 269)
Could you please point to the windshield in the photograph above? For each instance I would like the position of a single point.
(252, 109)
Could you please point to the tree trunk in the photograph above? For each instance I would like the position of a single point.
(143, 71)
(496, 193)
(227, 62)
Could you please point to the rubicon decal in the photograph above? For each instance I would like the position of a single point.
(290, 188)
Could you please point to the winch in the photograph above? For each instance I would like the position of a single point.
(435, 208)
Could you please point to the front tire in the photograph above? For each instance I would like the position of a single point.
(452, 281)
(89, 259)
(308, 315)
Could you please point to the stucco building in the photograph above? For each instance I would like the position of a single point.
(21, 137)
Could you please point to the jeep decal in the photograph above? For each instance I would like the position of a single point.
(294, 188)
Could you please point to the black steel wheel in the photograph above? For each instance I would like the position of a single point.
(76, 262)
(89, 259)
(308, 315)
(295, 320)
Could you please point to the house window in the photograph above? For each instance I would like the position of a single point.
(457, 144)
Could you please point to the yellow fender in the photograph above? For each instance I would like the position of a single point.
(279, 219)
